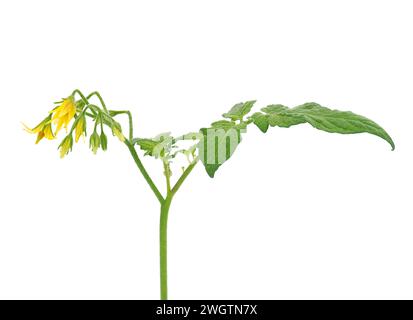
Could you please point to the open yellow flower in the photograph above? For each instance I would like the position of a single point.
(64, 113)
(43, 130)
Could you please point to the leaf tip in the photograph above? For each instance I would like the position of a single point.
(390, 141)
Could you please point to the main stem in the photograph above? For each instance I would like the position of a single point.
(163, 246)
(163, 226)
(165, 205)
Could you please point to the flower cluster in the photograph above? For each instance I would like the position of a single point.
(72, 115)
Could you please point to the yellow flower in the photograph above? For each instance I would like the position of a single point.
(48, 132)
(43, 129)
(66, 145)
(80, 128)
(64, 113)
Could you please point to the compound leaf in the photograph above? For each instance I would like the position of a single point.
(322, 118)
(340, 122)
(219, 141)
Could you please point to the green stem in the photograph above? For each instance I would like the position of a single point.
(163, 227)
(144, 172)
(97, 94)
(167, 173)
(82, 96)
(129, 114)
(163, 246)
(184, 176)
(130, 125)
(165, 205)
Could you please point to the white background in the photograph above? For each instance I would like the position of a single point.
(296, 213)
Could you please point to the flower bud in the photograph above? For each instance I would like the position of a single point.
(117, 131)
(103, 141)
(66, 145)
(94, 142)
(80, 128)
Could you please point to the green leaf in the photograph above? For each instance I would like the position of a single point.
(275, 115)
(285, 120)
(147, 145)
(158, 147)
(218, 143)
(223, 124)
(274, 108)
(260, 120)
(325, 119)
(280, 115)
(238, 111)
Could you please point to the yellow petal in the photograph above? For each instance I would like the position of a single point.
(59, 125)
(48, 132)
(67, 120)
(26, 128)
(78, 134)
(64, 113)
(62, 153)
(40, 136)
(64, 148)
(72, 112)
(80, 128)
(36, 129)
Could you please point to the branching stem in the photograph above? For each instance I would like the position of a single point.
(97, 94)
(144, 172)
(165, 203)
(184, 175)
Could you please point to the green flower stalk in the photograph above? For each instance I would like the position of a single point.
(212, 146)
